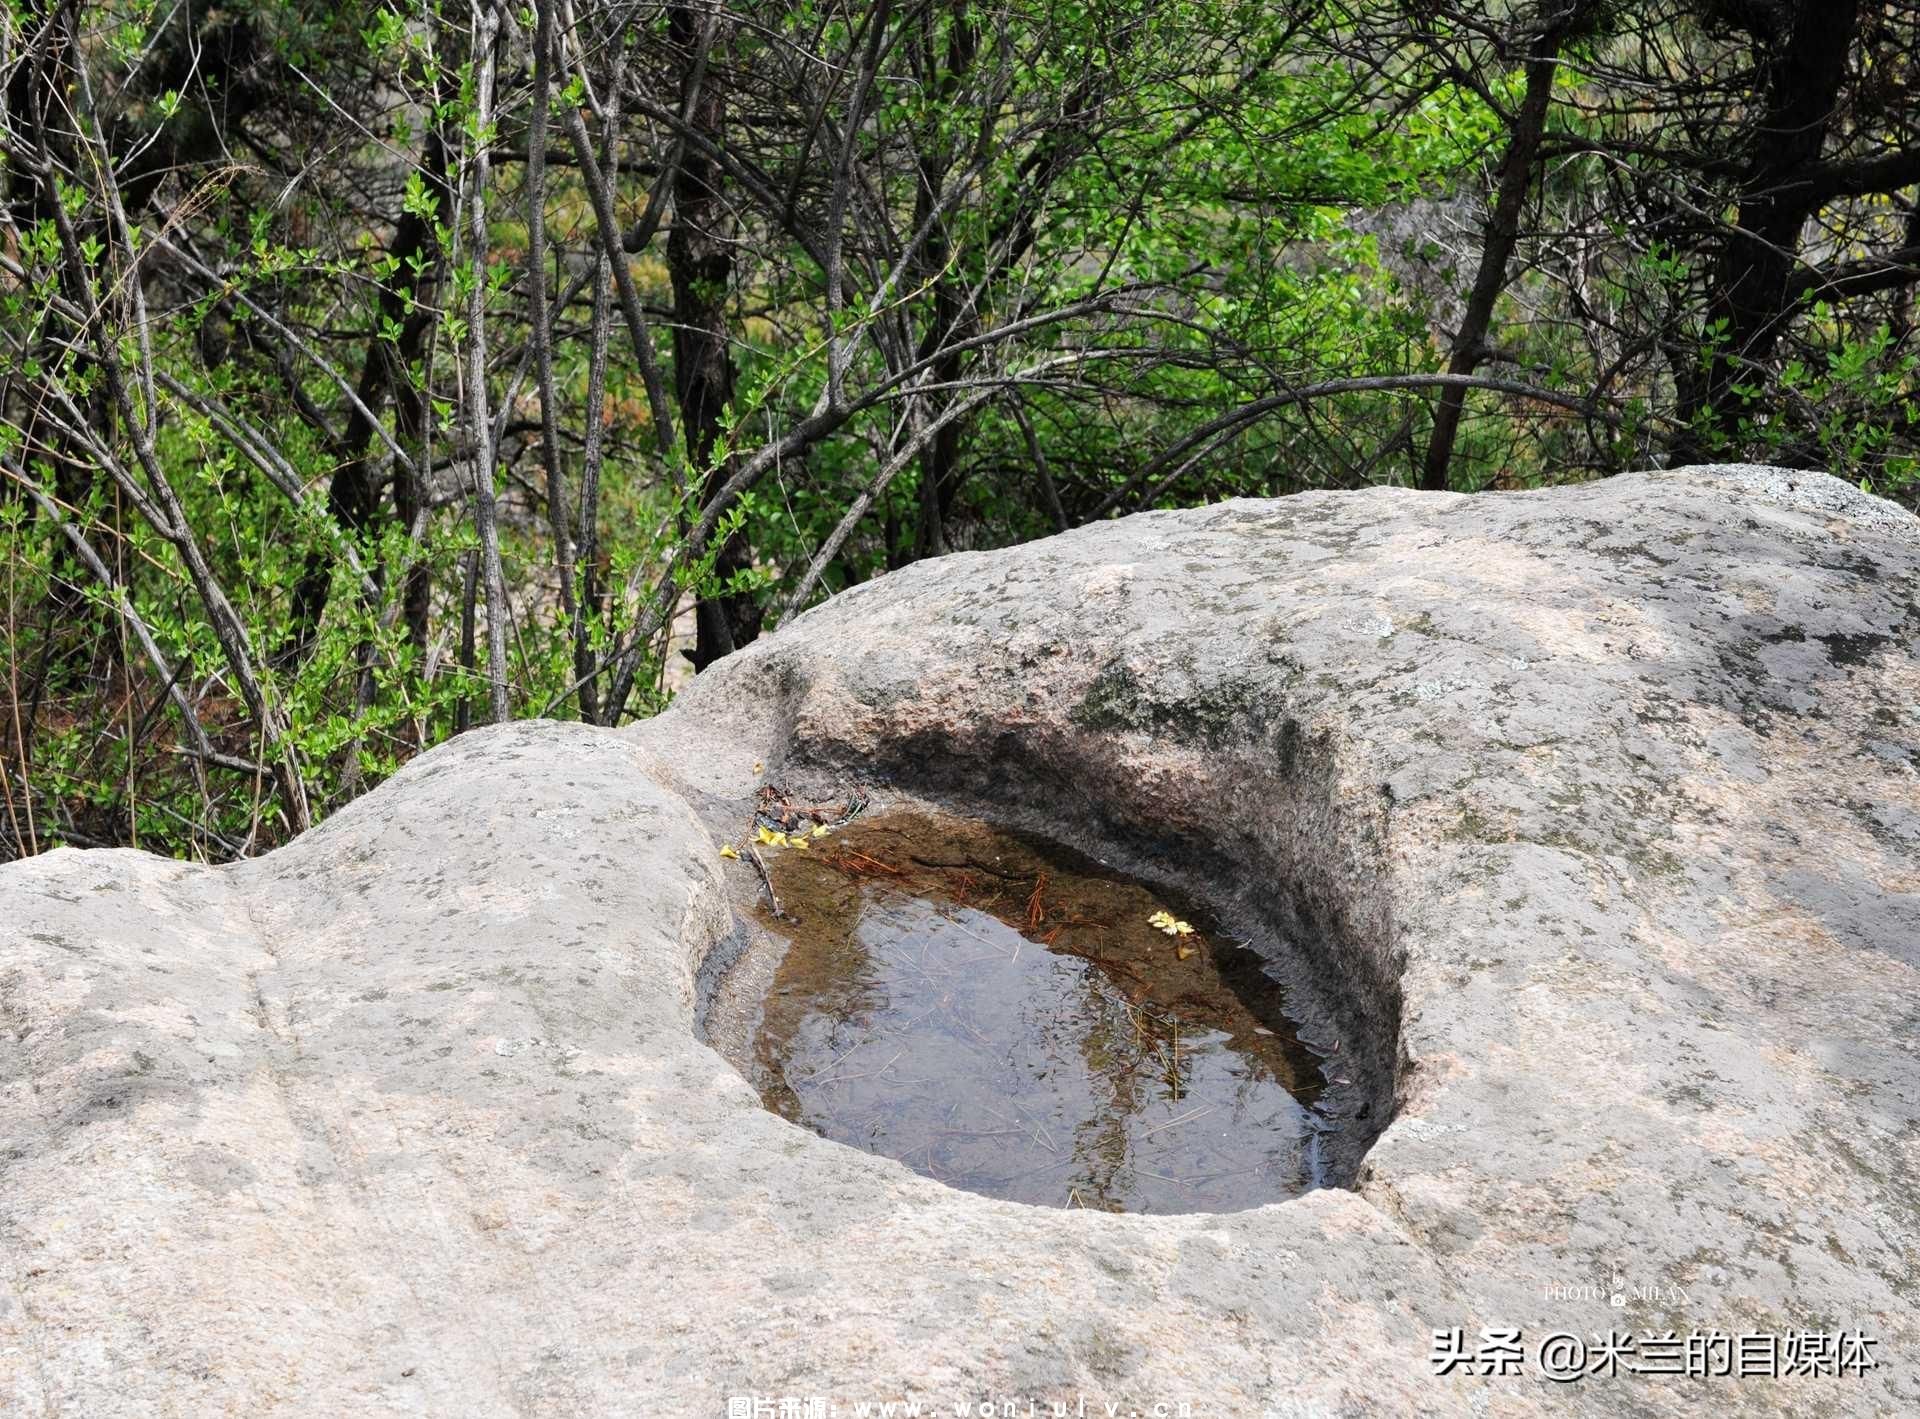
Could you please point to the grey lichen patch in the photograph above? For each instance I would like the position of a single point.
(1472, 825)
(1855, 648)
(1216, 716)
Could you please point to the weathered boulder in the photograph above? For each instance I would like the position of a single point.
(1593, 814)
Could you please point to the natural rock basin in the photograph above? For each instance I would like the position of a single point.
(1002, 1015)
(1597, 808)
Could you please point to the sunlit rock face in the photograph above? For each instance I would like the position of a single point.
(1591, 817)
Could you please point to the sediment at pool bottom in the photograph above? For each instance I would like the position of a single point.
(1014, 1019)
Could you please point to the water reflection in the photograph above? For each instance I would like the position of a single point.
(1003, 1017)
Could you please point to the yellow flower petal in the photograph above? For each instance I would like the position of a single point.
(797, 842)
(821, 831)
(726, 850)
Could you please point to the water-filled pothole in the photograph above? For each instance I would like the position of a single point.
(1007, 1017)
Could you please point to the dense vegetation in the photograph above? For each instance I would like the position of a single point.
(367, 372)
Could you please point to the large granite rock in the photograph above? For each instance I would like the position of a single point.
(1592, 815)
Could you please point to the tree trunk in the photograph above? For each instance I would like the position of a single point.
(1496, 248)
(75, 628)
(387, 370)
(700, 266)
(952, 323)
(1749, 295)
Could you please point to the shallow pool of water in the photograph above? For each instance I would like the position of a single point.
(1007, 1018)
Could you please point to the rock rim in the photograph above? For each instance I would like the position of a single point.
(1592, 814)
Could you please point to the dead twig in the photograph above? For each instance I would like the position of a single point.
(766, 880)
(1036, 906)
(857, 862)
(1188, 1117)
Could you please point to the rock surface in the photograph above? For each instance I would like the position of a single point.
(1594, 815)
